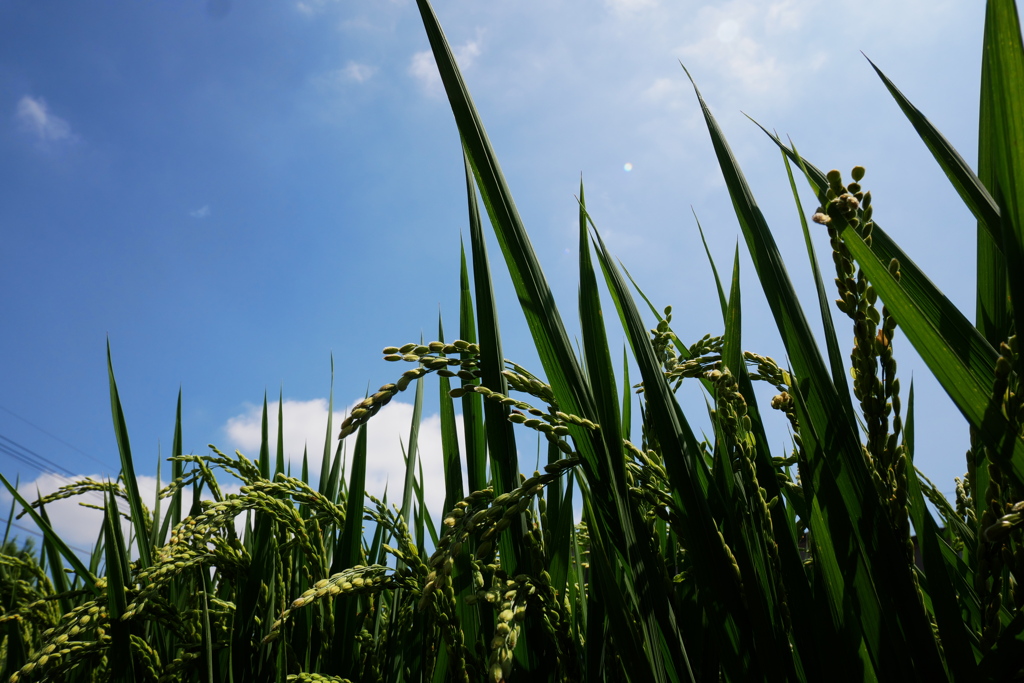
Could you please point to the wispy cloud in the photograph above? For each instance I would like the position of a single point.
(357, 73)
(352, 72)
(423, 68)
(201, 212)
(310, 7)
(628, 6)
(34, 117)
(739, 40)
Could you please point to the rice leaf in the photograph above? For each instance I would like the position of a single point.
(131, 484)
(279, 467)
(49, 534)
(325, 462)
(970, 188)
(342, 659)
(1002, 140)
(451, 458)
(714, 269)
(472, 408)
(970, 391)
(882, 584)
(961, 660)
(411, 454)
(835, 357)
(122, 661)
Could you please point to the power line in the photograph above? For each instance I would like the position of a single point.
(25, 455)
(54, 437)
(40, 534)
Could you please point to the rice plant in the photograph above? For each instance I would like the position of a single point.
(697, 558)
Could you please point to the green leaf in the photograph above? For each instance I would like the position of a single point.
(714, 270)
(500, 439)
(732, 354)
(1001, 143)
(52, 536)
(835, 356)
(863, 561)
(472, 406)
(960, 658)
(412, 453)
(970, 188)
(279, 467)
(452, 461)
(122, 663)
(324, 485)
(140, 519)
(970, 390)
(348, 554)
(964, 339)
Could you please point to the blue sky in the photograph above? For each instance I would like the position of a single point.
(233, 191)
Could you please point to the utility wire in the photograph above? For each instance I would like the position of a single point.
(54, 437)
(39, 533)
(37, 461)
(29, 457)
(25, 456)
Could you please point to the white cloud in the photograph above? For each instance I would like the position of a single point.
(310, 7)
(357, 73)
(33, 114)
(423, 68)
(305, 425)
(664, 89)
(738, 40)
(629, 6)
(75, 522)
(352, 72)
(201, 212)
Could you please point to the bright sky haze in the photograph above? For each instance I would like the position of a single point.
(231, 192)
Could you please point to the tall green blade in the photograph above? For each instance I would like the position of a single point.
(472, 407)
(264, 462)
(720, 593)
(325, 462)
(560, 364)
(974, 193)
(140, 520)
(869, 561)
(835, 357)
(122, 663)
(348, 554)
(953, 630)
(626, 424)
(279, 467)
(177, 470)
(254, 610)
(531, 287)
(732, 353)
(453, 489)
(971, 391)
(1002, 121)
(500, 439)
(656, 612)
(412, 454)
(969, 344)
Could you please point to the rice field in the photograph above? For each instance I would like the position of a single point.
(695, 557)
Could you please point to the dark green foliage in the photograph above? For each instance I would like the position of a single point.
(709, 559)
